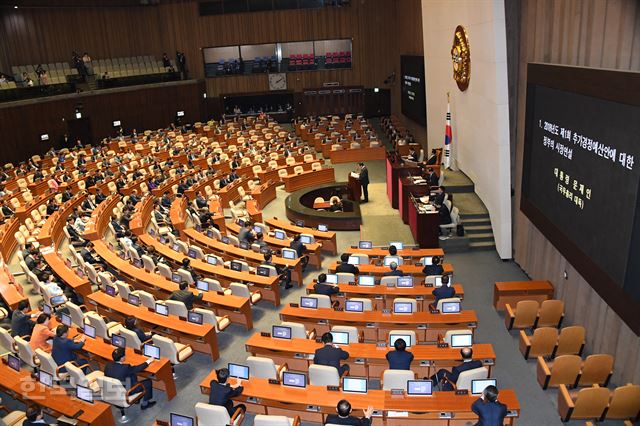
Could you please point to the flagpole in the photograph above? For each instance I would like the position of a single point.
(448, 135)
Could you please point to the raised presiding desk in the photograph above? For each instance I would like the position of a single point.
(376, 325)
(354, 155)
(512, 292)
(371, 269)
(365, 359)
(202, 338)
(412, 253)
(21, 386)
(424, 223)
(313, 403)
(293, 182)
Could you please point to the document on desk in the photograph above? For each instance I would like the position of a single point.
(397, 414)
(355, 175)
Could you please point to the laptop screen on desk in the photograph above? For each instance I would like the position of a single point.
(461, 340)
(212, 260)
(353, 260)
(323, 228)
(45, 378)
(365, 245)
(118, 341)
(89, 331)
(305, 239)
(397, 244)
(332, 278)
(202, 285)
(404, 282)
(65, 319)
(84, 394)
(236, 266)
(191, 253)
(419, 387)
(239, 371)
(402, 308)
(354, 306)
(176, 278)
(133, 300)
(162, 309)
(110, 290)
(180, 420)
(195, 317)
(450, 307)
(427, 260)
(14, 362)
(281, 332)
(279, 235)
(297, 380)
(340, 337)
(309, 302)
(151, 351)
(300, 223)
(393, 337)
(263, 271)
(478, 386)
(354, 384)
(289, 254)
(366, 280)
(244, 245)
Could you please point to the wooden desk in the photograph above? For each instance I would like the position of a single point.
(11, 292)
(265, 193)
(378, 271)
(311, 178)
(376, 325)
(512, 292)
(269, 286)
(100, 218)
(141, 216)
(365, 359)
(313, 403)
(250, 256)
(202, 338)
(20, 385)
(352, 155)
(327, 238)
(405, 188)
(413, 253)
(395, 171)
(177, 213)
(382, 296)
(424, 226)
(238, 308)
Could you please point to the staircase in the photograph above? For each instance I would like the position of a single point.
(477, 228)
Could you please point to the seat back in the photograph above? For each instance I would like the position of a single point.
(214, 285)
(324, 301)
(164, 270)
(565, 370)
(240, 289)
(323, 375)
(385, 281)
(449, 333)
(297, 329)
(131, 338)
(271, 420)
(465, 378)
(47, 363)
(263, 368)
(351, 330)
(625, 402)
(414, 304)
(167, 348)
(176, 308)
(363, 259)
(543, 341)
(185, 275)
(550, 313)
(449, 299)
(123, 289)
(6, 339)
(346, 277)
(212, 415)
(96, 321)
(77, 316)
(146, 299)
(25, 353)
(590, 403)
(571, 340)
(112, 391)
(596, 369)
(76, 375)
(525, 314)
(366, 303)
(396, 379)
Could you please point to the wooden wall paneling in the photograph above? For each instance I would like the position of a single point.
(594, 33)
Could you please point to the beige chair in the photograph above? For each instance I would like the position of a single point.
(324, 301)
(571, 341)
(214, 285)
(146, 299)
(323, 375)
(77, 376)
(466, 377)
(346, 277)
(625, 403)
(596, 369)
(7, 341)
(447, 336)
(449, 299)
(113, 392)
(564, 369)
(176, 308)
(298, 330)
(48, 365)
(414, 303)
(77, 314)
(550, 314)
(216, 415)
(175, 352)
(209, 317)
(131, 338)
(587, 403)
(265, 368)
(523, 316)
(25, 353)
(12, 418)
(103, 329)
(396, 379)
(271, 420)
(242, 290)
(355, 336)
(541, 343)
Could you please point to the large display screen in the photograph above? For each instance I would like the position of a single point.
(581, 176)
(413, 101)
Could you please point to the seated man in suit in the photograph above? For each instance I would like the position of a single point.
(130, 323)
(301, 249)
(445, 291)
(76, 239)
(435, 268)
(440, 196)
(468, 363)
(394, 271)
(246, 233)
(344, 416)
(22, 323)
(64, 349)
(119, 228)
(34, 416)
(336, 206)
(185, 296)
(344, 266)
(222, 392)
(201, 202)
(127, 375)
(165, 201)
(331, 355)
(260, 240)
(323, 287)
(432, 177)
(283, 271)
(445, 214)
(432, 158)
(490, 412)
(186, 265)
(89, 255)
(399, 359)
(413, 155)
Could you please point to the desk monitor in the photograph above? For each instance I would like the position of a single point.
(257, 229)
(354, 306)
(478, 386)
(45, 378)
(110, 290)
(236, 266)
(265, 250)
(151, 351)
(289, 254)
(89, 331)
(176, 277)
(44, 137)
(116, 123)
(450, 307)
(405, 282)
(244, 245)
(238, 371)
(175, 247)
(305, 239)
(162, 309)
(133, 299)
(395, 336)
(192, 253)
(300, 223)
(353, 260)
(461, 340)
(297, 380)
(198, 228)
(322, 227)
(46, 309)
(332, 278)
(180, 420)
(366, 280)
(195, 317)
(428, 260)
(65, 319)
(58, 300)
(225, 239)
(402, 308)
(279, 235)
(212, 260)
(365, 245)
(210, 233)
(397, 244)
(118, 341)
(309, 302)
(340, 337)
(419, 387)
(163, 240)
(241, 223)
(151, 232)
(180, 114)
(14, 362)
(80, 272)
(388, 260)
(202, 285)
(84, 393)
(263, 271)
(437, 281)
(281, 332)
(354, 384)
(137, 263)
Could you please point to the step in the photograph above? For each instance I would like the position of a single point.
(488, 236)
(471, 216)
(459, 189)
(482, 245)
(478, 229)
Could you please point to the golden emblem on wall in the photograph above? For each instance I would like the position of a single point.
(461, 58)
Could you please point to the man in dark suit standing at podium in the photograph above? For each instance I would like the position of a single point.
(364, 181)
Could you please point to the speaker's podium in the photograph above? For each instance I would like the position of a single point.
(354, 186)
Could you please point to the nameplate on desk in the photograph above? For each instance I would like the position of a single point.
(422, 326)
(220, 293)
(323, 321)
(434, 311)
(386, 312)
(313, 408)
(274, 381)
(425, 363)
(253, 399)
(338, 309)
(472, 324)
(381, 345)
(462, 392)
(299, 356)
(428, 284)
(397, 414)
(418, 263)
(352, 283)
(371, 325)
(294, 305)
(488, 361)
(265, 334)
(333, 388)
(419, 297)
(445, 415)
(397, 392)
(443, 345)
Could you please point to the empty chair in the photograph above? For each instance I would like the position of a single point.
(77, 376)
(76, 313)
(242, 290)
(587, 403)
(466, 377)
(164, 270)
(447, 336)
(523, 316)
(124, 289)
(25, 352)
(363, 259)
(103, 329)
(146, 299)
(346, 277)
(185, 276)
(389, 281)
(625, 403)
(571, 341)
(324, 301)
(113, 392)
(366, 303)
(265, 368)
(449, 299)
(596, 369)
(7, 341)
(215, 415)
(323, 375)
(396, 379)
(298, 330)
(198, 251)
(131, 338)
(175, 352)
(176, 308)
(541, 343)
(47, 364)
(316, 166)
(271, 420)
(550, 313)
(354, 335)
(414, 303)
(209, 317)
(214, 285)
(563, 369)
